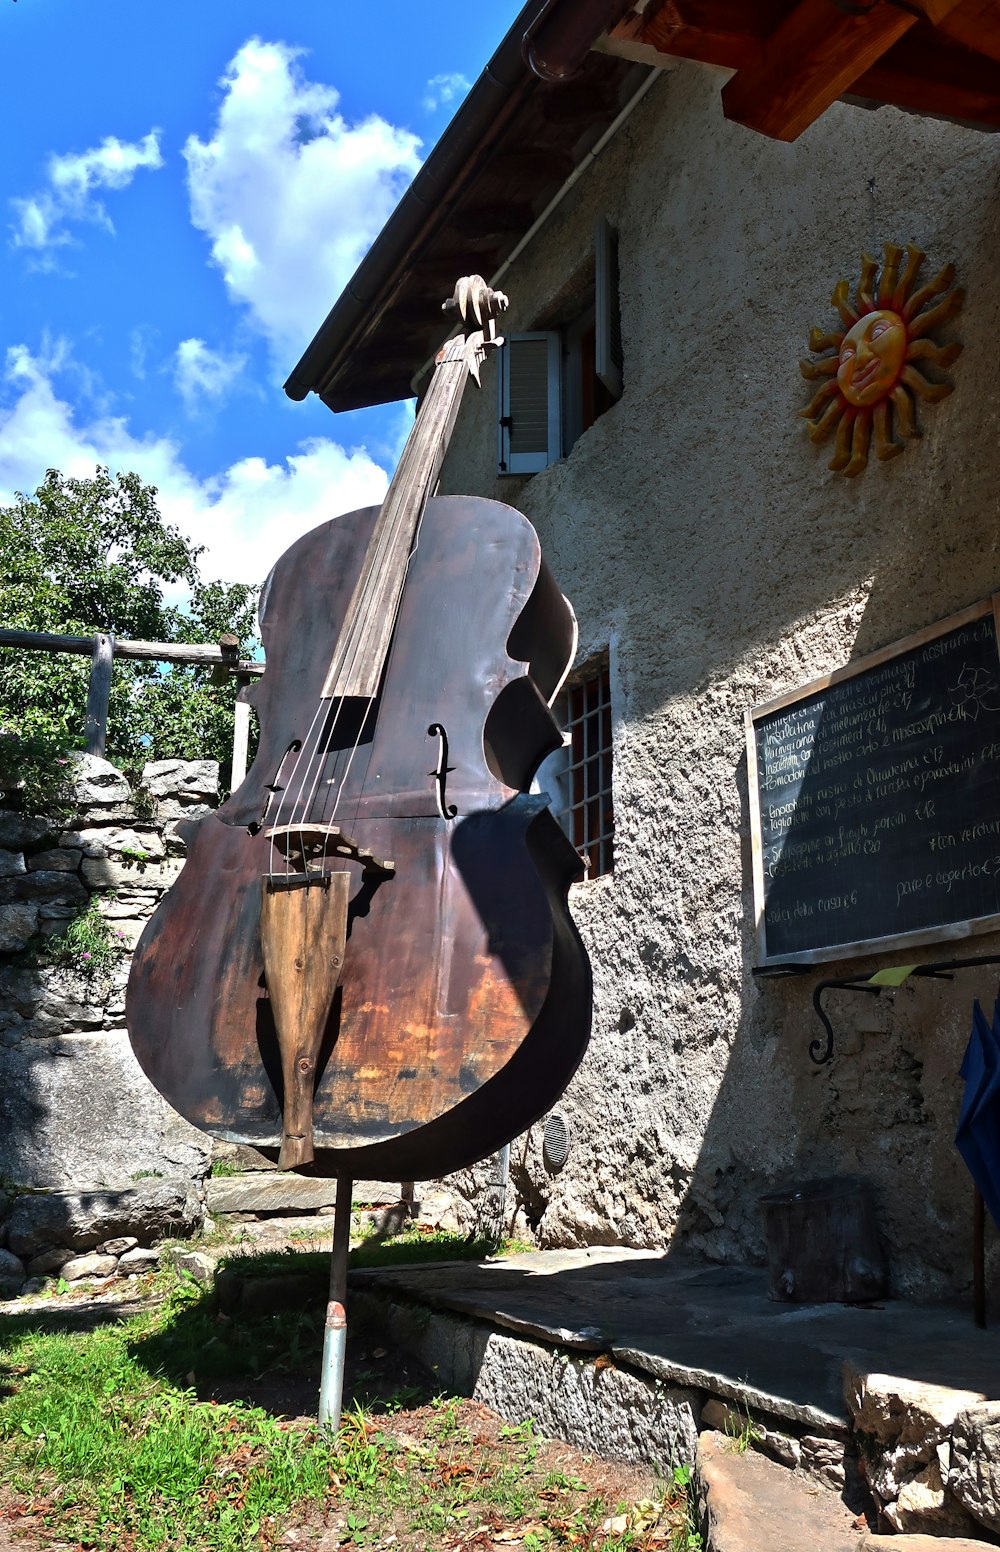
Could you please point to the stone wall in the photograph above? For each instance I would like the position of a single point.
(79, 1121)
(702, 539)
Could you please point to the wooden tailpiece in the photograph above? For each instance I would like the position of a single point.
(303, 933)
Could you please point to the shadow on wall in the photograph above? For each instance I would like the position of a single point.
(884, 1108)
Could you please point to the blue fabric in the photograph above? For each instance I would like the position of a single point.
(977, 1137)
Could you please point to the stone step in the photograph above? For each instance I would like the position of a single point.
(923, 1544)
(267, 1192)
(748, 1503)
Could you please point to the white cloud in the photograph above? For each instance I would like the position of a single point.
(289, 194)
(443, 89)
(71, 190)
(246, 516)
(202, 373)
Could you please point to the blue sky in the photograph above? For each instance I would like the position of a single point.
(186, 189)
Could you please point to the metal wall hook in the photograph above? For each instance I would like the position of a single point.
(940, 970)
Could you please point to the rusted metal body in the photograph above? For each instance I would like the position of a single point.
(463, 1004)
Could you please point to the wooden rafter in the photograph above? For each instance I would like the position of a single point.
(716, 32)
(793, 58)
(926, 73)
(976, 25)
(812, 57)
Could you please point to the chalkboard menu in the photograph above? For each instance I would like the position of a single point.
(875, 798)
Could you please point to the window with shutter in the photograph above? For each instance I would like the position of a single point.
(530, 402)
(554, 383)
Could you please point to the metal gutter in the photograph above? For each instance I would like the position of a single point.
(486, 108)
(548, 35)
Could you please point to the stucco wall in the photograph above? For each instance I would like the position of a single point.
(698, 531)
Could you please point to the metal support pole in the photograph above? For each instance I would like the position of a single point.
(99, 693)
(331, 1390)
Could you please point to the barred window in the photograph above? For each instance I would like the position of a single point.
(578, 777)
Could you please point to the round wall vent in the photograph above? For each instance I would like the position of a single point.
(555, 1142)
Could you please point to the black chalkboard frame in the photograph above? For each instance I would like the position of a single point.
(943, 932)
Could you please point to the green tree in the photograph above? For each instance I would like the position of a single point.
(86, 555)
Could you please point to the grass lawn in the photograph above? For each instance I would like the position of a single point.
(179, 1428)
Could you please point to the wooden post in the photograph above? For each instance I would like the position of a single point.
(241, 735)
(99, 693)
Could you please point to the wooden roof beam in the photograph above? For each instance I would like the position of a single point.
(810, 59)
(976, 25)
(729, 33)
(926, 73)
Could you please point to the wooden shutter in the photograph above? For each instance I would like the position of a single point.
(530, 413)
(608, 343)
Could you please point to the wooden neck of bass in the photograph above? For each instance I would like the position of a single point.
(363, 644)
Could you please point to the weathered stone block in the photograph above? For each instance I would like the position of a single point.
(88, 1266)
(974, 1474)
(118, 1247)
(176, 811)
(921, 1543)
(195, 1262)
(134, 1262)
(902, 1411)
(823, 1460)
(185, 778)
(104, 873)
(11, 862)
(12, 1274)
(96, 782)
(18, 925)
(20, 830)
(59, 859)
(39, 886)
(49, 1261)
(77, 1110)
(925, 1504)
(112, 840)
(146, 1211)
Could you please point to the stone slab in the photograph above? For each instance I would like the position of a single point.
(267, 1192)
(906, 1543)
(708, 1327)
(748, 1503)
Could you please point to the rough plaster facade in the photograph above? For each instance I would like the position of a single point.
(701, 537)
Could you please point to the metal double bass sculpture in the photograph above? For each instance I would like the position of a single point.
(367, 962)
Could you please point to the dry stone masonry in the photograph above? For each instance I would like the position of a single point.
(95, 1167)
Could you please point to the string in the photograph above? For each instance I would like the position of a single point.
(347, 655)
(384, 544)
(350, 645)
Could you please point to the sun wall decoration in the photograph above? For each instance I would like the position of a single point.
(872, 375)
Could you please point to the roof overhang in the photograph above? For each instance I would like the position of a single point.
(518, 138)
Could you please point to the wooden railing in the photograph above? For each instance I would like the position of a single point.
(102, 650)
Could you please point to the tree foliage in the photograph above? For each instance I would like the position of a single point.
(87, 555)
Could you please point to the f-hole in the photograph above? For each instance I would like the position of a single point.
(274, 787)
(441, 771)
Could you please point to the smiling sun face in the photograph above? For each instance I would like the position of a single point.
(870, 371)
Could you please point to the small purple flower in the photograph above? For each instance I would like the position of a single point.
(85, 955)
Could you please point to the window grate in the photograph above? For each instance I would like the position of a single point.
(585, 788)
